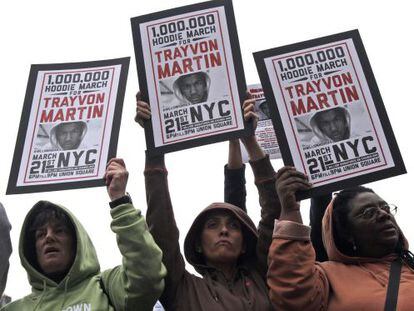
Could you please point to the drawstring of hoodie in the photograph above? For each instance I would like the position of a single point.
(211, 287)
(65, 291)
(41, 295)
(246, 290)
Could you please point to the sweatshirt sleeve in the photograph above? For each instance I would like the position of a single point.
(265, 178)
(235, 186)
(5, 248)
(295, 281)
(161, 221)
(139, 281)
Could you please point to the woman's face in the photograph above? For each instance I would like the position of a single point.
(55, 247)
(221, 238)
(373, 228)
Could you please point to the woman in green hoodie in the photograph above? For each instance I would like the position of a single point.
(62, 265)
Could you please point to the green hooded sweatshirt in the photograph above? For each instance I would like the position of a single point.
(134, 285)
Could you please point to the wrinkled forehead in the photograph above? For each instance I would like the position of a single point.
(366, 199)
(53, 223)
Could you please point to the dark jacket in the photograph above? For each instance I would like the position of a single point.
(211, 291)
(235, 186)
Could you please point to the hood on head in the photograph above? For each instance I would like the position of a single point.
(177, 90)
(333, 252)
(194, 234)
(84, 264)
(318, 131)
(53, 138)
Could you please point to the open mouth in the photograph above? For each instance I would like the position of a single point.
(51, 250)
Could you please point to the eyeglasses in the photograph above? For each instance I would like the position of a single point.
(369, 212)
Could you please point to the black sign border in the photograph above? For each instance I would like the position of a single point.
(237, 64)
(12, 187)
(399, 167)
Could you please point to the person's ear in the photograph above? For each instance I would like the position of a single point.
(198, 249)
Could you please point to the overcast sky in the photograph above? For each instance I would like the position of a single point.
(37, 32)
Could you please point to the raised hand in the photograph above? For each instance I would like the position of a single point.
(143, 112)
(288, 181)
(116, 178)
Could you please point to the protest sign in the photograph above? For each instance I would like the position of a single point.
(265, 134)
(328, 114)
(190, 71)
(69, 125)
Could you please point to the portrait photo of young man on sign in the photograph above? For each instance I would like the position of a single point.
(328, 114)
(190, 72)
(192, 88)
(67, 136)
(70, 124)
(265, 133)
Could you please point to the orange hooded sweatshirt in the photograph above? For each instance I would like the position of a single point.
(297, 282)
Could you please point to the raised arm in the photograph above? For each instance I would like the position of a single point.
(5, 248)
(265, 182)
(234, 177)
(139, 281)
(160, 216)
(295, 282)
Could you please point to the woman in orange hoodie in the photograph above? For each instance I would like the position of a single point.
(362, 240)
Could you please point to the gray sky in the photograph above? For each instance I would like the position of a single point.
(36, 32)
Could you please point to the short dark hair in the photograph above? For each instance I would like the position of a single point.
(46, 212)
(79, 124)
(341, 209)
(339, 110)
(199, 74)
